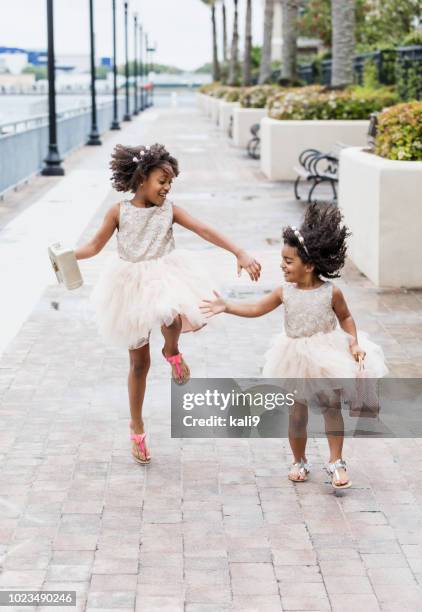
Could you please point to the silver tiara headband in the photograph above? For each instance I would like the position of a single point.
(141, 155)
(300, 238)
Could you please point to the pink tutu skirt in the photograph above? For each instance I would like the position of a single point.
(313, 363)
(132, 298)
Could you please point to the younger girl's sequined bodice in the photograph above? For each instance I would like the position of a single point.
(145, 233)
(307, 312)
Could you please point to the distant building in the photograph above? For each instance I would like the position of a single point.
(15, 59)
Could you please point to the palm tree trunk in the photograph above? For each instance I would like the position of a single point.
(215, 63)
(343, 17)
(224, 33)
(265, 67)
(248, 45)
(234, 56)
(290, 9)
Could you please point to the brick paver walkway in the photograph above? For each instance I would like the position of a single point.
(210, 525)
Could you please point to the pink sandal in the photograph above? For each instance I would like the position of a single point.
(139, 440)
(176, 360)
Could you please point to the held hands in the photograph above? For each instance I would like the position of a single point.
(358, 353)
(252, 267)
(212, 307)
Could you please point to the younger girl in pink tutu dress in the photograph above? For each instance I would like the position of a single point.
(313, 350)
(150, 283)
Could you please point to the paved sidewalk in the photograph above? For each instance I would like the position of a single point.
(210, 525)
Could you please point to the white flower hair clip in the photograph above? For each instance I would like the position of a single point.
(300, 238)
(142, 154)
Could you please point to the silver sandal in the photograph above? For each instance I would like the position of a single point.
(302, 469)
(333, 471)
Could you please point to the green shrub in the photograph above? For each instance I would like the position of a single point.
(208, 88)
(318, 103)
(399, 132)
(233, 94)
(256, 97)
(413, 38)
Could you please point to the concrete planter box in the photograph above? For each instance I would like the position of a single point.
(202, 101)
(243, 120)
(215, 110)
(381, 202)
(226, 112)
(283, 141)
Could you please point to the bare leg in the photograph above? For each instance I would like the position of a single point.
(334, 429)
(298, 437)
(139, 365)
(171, 335)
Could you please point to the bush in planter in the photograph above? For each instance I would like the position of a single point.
(209, 88)
(399, 132)
(256, 97)
(319, 103)
(233, 94)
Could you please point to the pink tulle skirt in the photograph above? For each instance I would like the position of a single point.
(311, 365)
(130, 299)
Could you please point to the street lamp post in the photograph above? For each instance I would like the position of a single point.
(115, 123)
(52, 161)
(127, 114)
(94, 137)
(141, 69)
(135, 66)
(147, 96)
(153, 50)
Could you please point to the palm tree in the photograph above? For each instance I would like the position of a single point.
(343, 42)
(265, 68)
(248, 45)
(224, 32)
(215, 62)
(234, 55)
(290, 14)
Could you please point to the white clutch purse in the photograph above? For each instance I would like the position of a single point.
(65, 266)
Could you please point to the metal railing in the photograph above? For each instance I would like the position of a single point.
(24, 143)
(401, 67)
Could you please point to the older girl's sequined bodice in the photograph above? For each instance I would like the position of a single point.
(145, 233)
(307, 312)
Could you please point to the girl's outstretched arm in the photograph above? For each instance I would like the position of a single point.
(347, 322)
(209, 234)
(269, 303)
(94, 246)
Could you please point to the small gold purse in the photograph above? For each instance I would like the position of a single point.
(65, 266)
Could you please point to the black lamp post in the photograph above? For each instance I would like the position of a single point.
(135, 66)
(127, 113)
(94, 137)
(52, 161)
(153, 50)
(147, 96)
(115, 123)
(141, 68)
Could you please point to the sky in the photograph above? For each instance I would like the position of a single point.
(181, 29)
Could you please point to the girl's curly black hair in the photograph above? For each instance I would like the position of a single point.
(324, 238)
(131, 165)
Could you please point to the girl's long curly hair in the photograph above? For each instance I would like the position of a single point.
(325, 239)
(130, 166)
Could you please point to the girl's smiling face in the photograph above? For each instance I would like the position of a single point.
(157, 185)
(294, 269)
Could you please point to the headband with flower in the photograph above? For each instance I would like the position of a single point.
(142, 154)
(300, 239)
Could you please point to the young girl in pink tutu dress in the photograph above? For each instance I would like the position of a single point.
(312, 346)
(150, 283)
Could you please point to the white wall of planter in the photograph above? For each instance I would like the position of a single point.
(225, 114)
(243, 120)
(382, 205)
(283, 141)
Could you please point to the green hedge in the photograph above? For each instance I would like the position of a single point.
(399, 133)
(317, 103)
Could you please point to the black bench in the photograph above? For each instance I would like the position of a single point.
(316, 167)
(254, 145)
